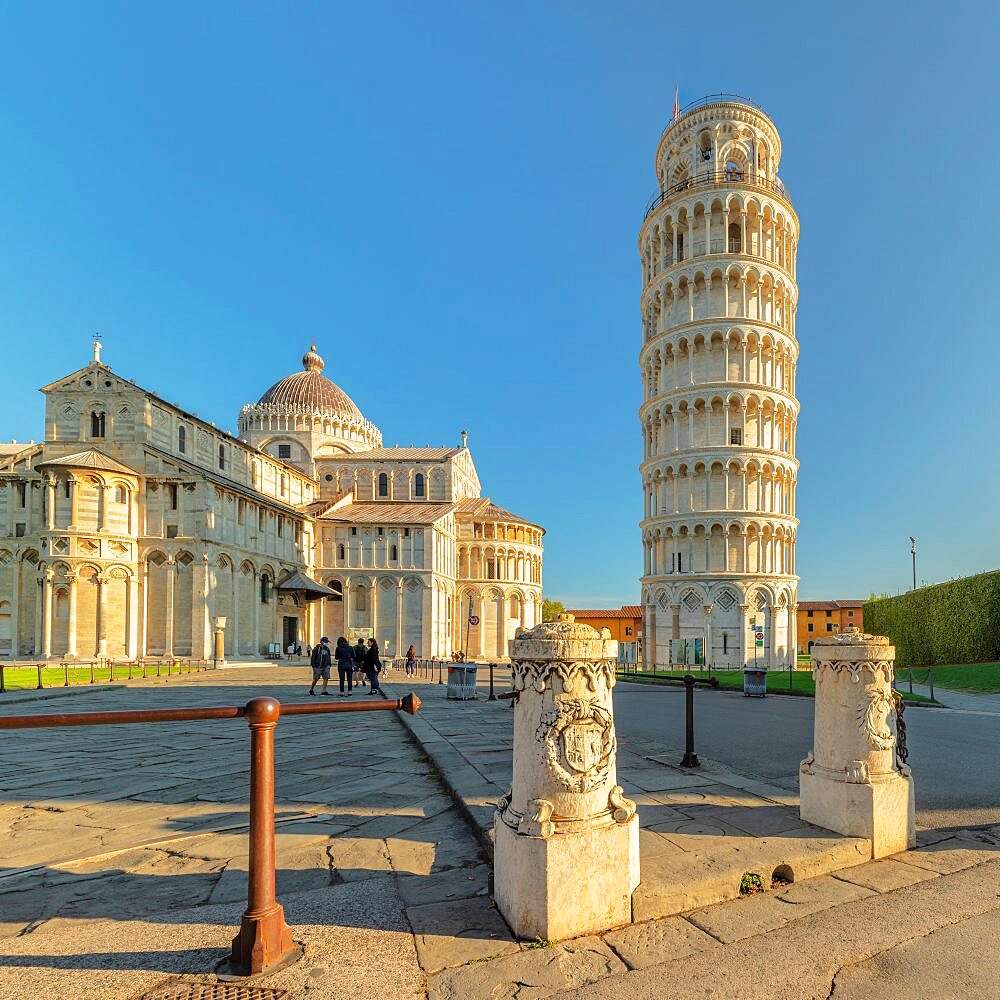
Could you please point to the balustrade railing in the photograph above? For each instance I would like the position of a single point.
(718, 178)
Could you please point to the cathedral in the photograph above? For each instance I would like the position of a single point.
(136, 529)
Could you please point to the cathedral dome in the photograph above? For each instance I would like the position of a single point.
(311, 391)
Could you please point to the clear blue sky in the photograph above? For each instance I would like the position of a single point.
(445, 197)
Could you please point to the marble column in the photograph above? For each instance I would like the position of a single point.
(73, 584)
(102, 616)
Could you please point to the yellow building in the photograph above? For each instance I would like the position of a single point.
(624, 624)
(818, 618)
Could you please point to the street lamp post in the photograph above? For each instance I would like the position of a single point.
(913, 553)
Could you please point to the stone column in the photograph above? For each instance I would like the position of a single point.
(566, 855)
(102, 616)
(71, 628)
(220, 639)
(132, 614)
(168, 642)
(399, 618)
(850, 781)
(47, 614)
(50, 502)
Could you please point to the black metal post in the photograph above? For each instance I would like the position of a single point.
(492, 696)
(690, 757)
(930, 681)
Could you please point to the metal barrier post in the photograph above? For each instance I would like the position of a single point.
(264, 939)
(92, 671)
(440, 672)
(930, 681)
(39, 668)
(65, 674)
(909, 677)
(3, 684)
(690, 757)
(492, 696)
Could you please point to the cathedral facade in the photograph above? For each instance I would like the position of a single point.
(135, 527)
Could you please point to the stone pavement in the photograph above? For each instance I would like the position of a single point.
(125, 860)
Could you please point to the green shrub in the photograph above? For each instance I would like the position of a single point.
(954, 622)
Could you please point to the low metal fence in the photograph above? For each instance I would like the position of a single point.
(264, 940)
(67, 673)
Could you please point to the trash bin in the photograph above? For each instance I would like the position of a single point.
(755, 682)
(462, 681)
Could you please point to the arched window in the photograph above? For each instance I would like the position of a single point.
(338, 590)
(394, 554)
(265, 589)
(181, 439)
(121, 494)
(735, 238)
(734, 171)
(419, 485)
(97, 423)
(222, 456)
(340, 551)
(383, 484)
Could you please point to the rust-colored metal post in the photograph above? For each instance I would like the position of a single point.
(92, 662)
(130, 670)
(264, 939)
(65, 674)
(440, 672)
(39, 669)
(3, 683)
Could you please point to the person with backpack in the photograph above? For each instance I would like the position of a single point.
(320, 661)
(344, 654)
(411, 661)
(372, 665)
(359, 663)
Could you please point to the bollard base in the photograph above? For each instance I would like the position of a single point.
(551, 888)
(880, 809)
(264, 943)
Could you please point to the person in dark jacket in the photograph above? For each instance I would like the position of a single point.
(373, 665)
(359, 663)
(320, 661)
(344, 655)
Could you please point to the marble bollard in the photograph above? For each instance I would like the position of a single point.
(566, 853)
(851, 781)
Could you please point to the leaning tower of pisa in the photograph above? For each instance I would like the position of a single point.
(718, 359)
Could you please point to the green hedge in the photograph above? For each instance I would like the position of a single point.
(956, 622)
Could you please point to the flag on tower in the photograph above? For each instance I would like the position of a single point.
(677, 102)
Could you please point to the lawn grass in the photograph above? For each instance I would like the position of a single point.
(732, 680)
(976, 678)
(25, 678)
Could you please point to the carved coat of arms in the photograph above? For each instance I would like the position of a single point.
(578, 742)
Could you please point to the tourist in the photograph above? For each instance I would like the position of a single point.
(344, 654)
(359, 662)
(372, 665)
(320, 660)
(411, 660)
(290, 650)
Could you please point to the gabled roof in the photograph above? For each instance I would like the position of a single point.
(398, 454)
(313, 590)
(317, 508)
(91, 459)
(626, 611)
(388, 512)
(828, 605)
(484, 509)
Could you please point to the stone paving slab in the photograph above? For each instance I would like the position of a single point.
(807, 956)
(534, 973)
